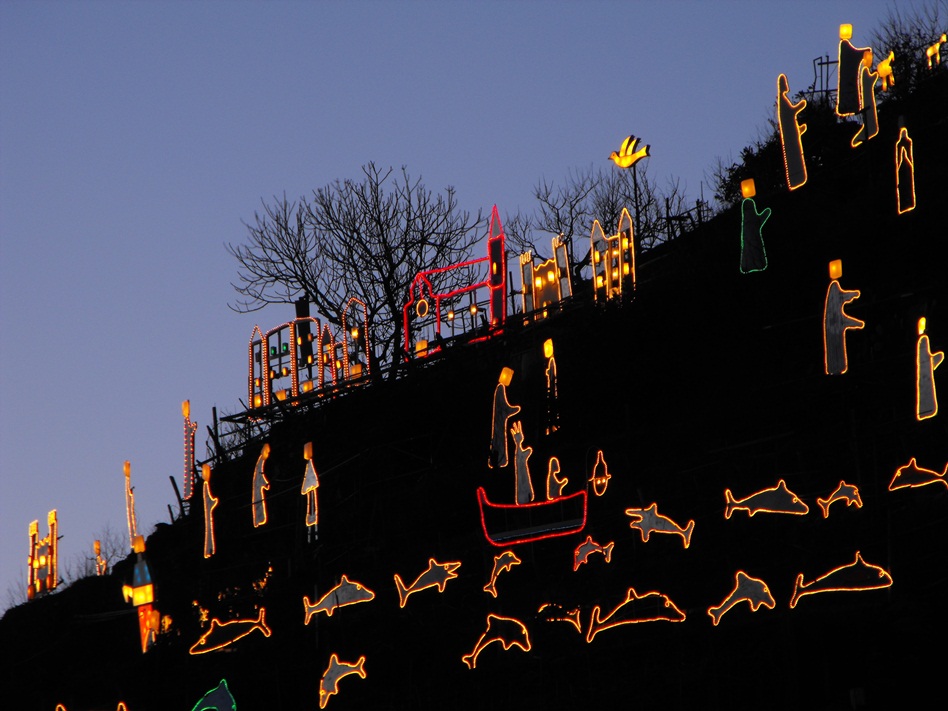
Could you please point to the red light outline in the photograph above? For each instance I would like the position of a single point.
(482, 500)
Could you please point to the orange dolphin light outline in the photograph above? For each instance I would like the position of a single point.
(224, 634)
(844, 492)
(777, 499)
(502, 563)
(437, 575)
(753, 591)
(587, 548)
(329, 683)
(659, 607)
(347, 592)
(649, 521)
(509, 631)
(912, 476)
(856, 576)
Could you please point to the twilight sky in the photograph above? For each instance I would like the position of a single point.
(135, 138)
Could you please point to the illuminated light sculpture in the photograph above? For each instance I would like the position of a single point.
(753, 591)
(130, 506)
(633, 609)
(502, 412)
(142, 590)
(844, 492)
(330, 361)
(854, 577)
(508, 631)
(933, 52)
(849, 99)
(310, 487)
(259, 487)
(276, 358)
(189, 429)
(357, 361)
(552, 612)
(649, 521)
(613, 259)
(101, 564)
(149, 625)
(552, 395)
(210, 503)
(523, 484)
(836, 322)
(926, 401)
(437, 575)
(43, 561)
(753, 252)
(912, 476)
(884, 70)
(904, 172)
(870, 114)
(347, 592)
(791, 135)
(224, 634)
(502, 563)
(629, 153)
(778, 499)
(217, 699)
(513, 524)
(547, 283)
(600, 475)
(587, 548)
(554, 485)
(422, 289)
(329, 683)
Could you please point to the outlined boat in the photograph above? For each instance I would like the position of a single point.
(512, 524)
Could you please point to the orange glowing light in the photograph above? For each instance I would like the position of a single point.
(613, 259)
(547, 283)
(437, 575)
(933, 52)
(904, 172)
(224, 634)
(912, 476)
(347, 592)
(508, 631)
(629, 153)
(753, 591)
(210, 503)
(600, 475)
(633, 609)
(844, 492)
(585, 549)
(926, 400)
(43, 561)
(329, 683)
(649, 521)
(856, 576)
(836, 322)
(791, 134)
(884, 70)
(357, 360)
(748, 189)
(502, 563)
(778, 499)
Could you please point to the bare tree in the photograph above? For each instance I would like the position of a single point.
(907, 33)
(366, 238)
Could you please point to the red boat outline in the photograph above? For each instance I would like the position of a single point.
(532, 533)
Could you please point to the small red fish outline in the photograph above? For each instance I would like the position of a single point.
(777, 499)
(752, 590)
(649, 521)
(844, 492)
(329, 683)
(912, 476)
(502, 563)
(509, 631)
(666, 611)
(587, 548)
(437, 575)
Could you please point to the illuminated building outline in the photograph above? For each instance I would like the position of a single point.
(43, 561)
(854, 577)
(904, 172)
(836, 322)
(777, 499)
(926, 400)
(613, 259)
(844, 492)
(259, 487)
(347, 592)
(436, 575)
(587, 548)
(189, 429)
(310, 487)
(224, 634)
(912, 476)
(660, 609)
(210, 503)
(545, 284)
(753, 591)
(421, 288)
(791, 135)
(329, 683)
(502, 563)
(649, 521)
(278, 354)
(356, 362)
(509, 631)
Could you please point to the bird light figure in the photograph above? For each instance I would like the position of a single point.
(630, 153)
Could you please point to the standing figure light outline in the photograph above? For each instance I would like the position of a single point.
(259, 486)
(791, 135)
(130, 506)
(753, 252)
(836, 322)
(867, 89)
(310, 487)
(189, 429)
(926, 400)
(849, 97)
(904, 172)
(210, 503)
(502, 411)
